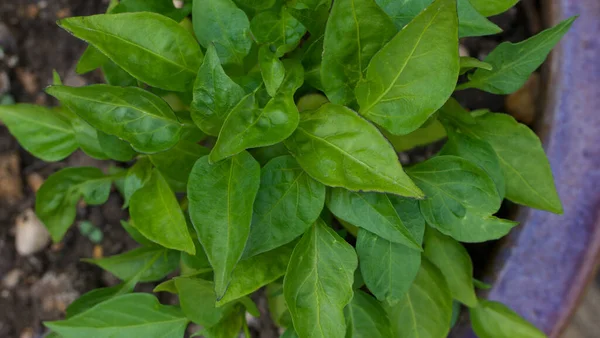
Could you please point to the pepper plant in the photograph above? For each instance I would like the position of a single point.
(259, 146)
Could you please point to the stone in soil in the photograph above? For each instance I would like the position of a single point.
(31, 235)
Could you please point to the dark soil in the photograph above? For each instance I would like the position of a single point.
(48, 281)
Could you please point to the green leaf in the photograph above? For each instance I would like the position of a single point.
(388, 268)
(248, 126)
(258, 5)
(371, 211)
(467, 63)
(265, 154)
(271, 68)
(228, 327)
(176, 164)
(163, 7)
(453, 260)
(340, 149)
(277, 29)
(355, 31)
(318, 282)
(115, 148)
(402, 12)
(365, 317)
(154, 263)
(461, 198)
(155, 212)
(215, 94)
(85, 134)
(493, 319)
(44, 133)
(170, 66)
(56, 201)
(220, 205)
(513, 63)
(426, 309)
(415, 73)
(288, 202)
(98, 296)
(524, 164)
(91, 59)
(277, 307)
(252, 273)
(136, 235)
(132, 114)
(117, 76)
(133, 315)
(313, 14)
(166, 286)
(197, 298)
(472, 23)
(136, 177)
(425, 135)
(221, 23)
(478, 152)
(493, 7)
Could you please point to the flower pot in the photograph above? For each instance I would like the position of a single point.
(542, 268)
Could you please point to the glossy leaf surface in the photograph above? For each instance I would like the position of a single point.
(493, 319)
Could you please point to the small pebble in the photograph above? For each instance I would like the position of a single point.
(12, 278)
(462, 50)
(31, 235)
(11, 189)
(35, 181)
(26, 333)
(98, 252)
(28, 80)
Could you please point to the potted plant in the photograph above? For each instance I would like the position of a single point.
(256, 143)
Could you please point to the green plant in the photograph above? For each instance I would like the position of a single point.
(244, 79)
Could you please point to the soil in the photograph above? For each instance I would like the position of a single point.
(39, 287)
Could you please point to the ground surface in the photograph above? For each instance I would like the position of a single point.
(37, 288)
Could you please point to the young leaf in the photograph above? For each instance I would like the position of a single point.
(365, 317)
(318, 282)
(252, 273)
(155, 212)
(91, 59)
(287, 203)
(133, 315)
(467, 63)
(426, 309)
(340, 149)
(454, 262)
(415, 73)
(402, 12)
(154, 263)
(221, 23)
(313, 14)
(461, 199)
(271, 68)
(355, 31)
(215, 94)
(197, 298)
(176, 164)
(492, 7)
(220, 205)
(494, 320)
(425, 135)
(132, 114)
(524, 164)
(472, 23)
(170, 66)
(136, 235)
(513, 63)
(43, 132)
(135, 178)
(371, 211)
(163, 7)
(277, 29)
(114, 147)
(56, 201)
(248, 126)
(388, 268)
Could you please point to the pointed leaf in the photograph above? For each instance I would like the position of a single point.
(56, 201)
(278, 29)
(220, 197)
(467, 63)
(365, 317)
(43, 132)
(137, 175)
(215, 94)
(155, 212)
(513, 63)
(355, 31)
(170, 66)
(415, 73)
(318, 282)
(115, 148)
(221, 23)
(132, 315)
(132, 114)
(197, 297)
(176, 164)
(340, 149)
(495, 320)
(288, 202)
(271, 68)
(472, 23)
(91, 59)
(493, 7)
(402, 12)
